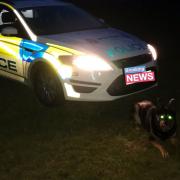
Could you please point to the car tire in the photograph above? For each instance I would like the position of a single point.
(47, 86)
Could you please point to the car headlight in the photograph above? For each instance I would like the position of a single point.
(91, 63)
(153, 52)
(87, 63)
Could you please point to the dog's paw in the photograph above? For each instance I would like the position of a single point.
(164, 153)
(160, 147)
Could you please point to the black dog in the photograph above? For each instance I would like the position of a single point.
(158, 120)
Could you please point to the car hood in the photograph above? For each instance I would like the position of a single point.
(109, 43)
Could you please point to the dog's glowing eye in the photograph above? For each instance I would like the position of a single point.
(162, 116)
(170, 117)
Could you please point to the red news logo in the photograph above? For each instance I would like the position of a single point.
(139, 77)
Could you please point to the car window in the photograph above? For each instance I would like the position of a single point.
(9, 19)
(59, 19)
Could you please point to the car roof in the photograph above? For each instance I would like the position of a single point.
(34, 3)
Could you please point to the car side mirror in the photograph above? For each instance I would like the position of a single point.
(9, 31)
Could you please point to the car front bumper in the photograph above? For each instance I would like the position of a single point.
(105, 86)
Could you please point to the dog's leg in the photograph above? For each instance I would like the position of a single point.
(136, 116)
(160, 147)
(174, 140)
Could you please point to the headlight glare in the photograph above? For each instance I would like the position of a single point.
(153, 52)
(91, 63)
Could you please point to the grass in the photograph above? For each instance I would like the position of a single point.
(77, 141)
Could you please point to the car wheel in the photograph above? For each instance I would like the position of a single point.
(47, 86)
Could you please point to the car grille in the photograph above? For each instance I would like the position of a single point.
(83, 89)
(119, 87)
(133, 61)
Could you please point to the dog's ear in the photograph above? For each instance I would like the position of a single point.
(172, 104)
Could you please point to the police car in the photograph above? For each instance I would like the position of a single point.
(64, 53)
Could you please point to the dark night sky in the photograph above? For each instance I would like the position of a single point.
(151, 3)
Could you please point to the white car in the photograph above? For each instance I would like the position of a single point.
(64, 53)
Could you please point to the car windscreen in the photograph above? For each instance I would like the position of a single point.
(49, 20)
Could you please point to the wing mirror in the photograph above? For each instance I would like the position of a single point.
(9, 31)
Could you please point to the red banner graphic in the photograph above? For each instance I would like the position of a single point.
(139, 77)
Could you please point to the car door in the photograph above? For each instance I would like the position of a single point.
(11, 37)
